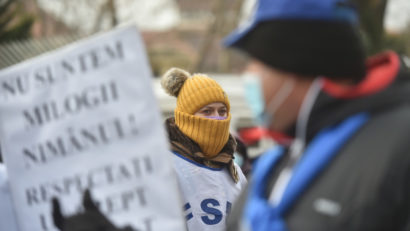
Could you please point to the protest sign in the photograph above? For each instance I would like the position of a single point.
(85, 117)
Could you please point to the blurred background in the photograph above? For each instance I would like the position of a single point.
(181, 33)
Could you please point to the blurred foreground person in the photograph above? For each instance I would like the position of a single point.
(348, 166)
(203, 149)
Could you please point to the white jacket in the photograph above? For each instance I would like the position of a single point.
(207, 194)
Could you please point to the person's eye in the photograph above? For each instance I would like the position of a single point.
(206, 111)
(223, 112)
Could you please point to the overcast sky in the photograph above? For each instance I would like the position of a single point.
(163, 14)
(397, 14)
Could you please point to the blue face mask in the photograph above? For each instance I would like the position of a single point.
(262, 115)
(254, 96)
(216, 117)
(238, 159)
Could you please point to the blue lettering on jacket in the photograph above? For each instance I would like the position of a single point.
(209, 206)
(212, 211)
(228, 207)
(189, 215)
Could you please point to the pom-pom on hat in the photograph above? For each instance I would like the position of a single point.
(192, 92)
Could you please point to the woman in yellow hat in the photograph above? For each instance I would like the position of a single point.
(203, 149)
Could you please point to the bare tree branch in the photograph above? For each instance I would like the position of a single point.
(218, 12)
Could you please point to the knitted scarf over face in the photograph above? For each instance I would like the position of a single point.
(188, 148)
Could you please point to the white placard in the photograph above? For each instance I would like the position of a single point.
(85, 117)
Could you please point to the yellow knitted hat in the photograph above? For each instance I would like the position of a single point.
(193, 93)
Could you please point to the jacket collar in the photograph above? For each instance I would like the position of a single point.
(386, 85)
(188, 148)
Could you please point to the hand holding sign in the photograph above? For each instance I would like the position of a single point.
(91, 219)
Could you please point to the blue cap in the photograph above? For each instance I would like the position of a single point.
(322, 10)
